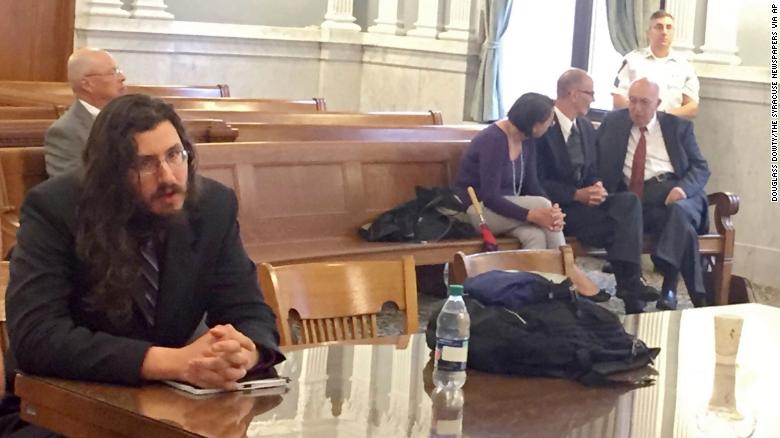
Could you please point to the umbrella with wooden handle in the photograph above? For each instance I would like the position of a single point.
(488, 239)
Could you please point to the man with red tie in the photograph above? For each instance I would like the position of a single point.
(655, 155)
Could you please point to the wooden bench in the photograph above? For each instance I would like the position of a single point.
(304, 201)
(50, 112)
(316, 104)
(63, 89)
(282, 132)
(320, 118)
(15, 133)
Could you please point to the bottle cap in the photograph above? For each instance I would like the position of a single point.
(456, 290)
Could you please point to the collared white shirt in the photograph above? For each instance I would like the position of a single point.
(656, 157)
(564, 123)
(674, 75)
(91, 109)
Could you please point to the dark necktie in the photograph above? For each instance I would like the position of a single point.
(637, 181)
(576, 157)
(150, 271)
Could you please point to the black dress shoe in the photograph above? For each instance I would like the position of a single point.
(633, 306)
(638, 289)
(698, 300)
(607, 268)
(668, 301)
(600, 297)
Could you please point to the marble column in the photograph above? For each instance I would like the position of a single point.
(458, 21)
(720, 35)
(427, 24)
(105, 8)
(387, 19)
(155, 9)
(684, 13)
(339, 16)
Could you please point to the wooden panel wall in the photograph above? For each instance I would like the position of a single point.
(36, 38)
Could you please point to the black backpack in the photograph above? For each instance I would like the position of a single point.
(435, 214)
(569, 338)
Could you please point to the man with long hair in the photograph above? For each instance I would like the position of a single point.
(116, 265)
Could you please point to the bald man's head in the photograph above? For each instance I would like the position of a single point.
(94, 77)
(575, 93)
(643, 101)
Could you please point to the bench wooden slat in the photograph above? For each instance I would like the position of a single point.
(319, 118)
(246, 104)
(15, 133)
(309, 132)
(63, 89)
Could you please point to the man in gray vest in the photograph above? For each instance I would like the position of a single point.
(95, 79)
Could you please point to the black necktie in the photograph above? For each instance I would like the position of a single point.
(150, 271)
(576, 157)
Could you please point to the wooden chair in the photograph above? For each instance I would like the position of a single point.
(556, 261)
(4, 343)
(338, 301)
(4, 276)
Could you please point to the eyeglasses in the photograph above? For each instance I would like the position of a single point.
(589, 93)
(149, 165)
(114, 72)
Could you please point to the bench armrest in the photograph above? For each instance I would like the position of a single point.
(726, 205)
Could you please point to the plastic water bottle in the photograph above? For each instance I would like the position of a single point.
(446, 412)
(452, 341)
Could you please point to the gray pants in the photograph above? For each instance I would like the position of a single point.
(531, 236)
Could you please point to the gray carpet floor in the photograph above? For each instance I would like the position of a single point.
(390, 320)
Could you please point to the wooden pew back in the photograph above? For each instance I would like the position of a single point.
(320, 118)
(63, 89)
(310, 190)
(32, 132)
(281, 132)
(50, 112)
(243, 104)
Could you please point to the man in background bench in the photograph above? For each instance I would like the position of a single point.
(655, 155)
(567, 171)
(95, 79)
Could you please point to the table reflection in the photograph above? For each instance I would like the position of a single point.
(383, 390)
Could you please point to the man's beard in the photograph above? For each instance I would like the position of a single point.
(144, 219)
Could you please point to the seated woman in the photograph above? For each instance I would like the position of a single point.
(500, 163)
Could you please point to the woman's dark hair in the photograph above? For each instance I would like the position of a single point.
(109, 233)
(528, 110)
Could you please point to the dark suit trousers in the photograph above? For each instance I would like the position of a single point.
(677, 243)
(616, 225)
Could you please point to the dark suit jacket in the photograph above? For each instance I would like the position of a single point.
(689, 165)
(66, 140)
(556, 173)
(204, 268)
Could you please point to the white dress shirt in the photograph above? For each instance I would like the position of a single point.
(91, 109)
(564, 123)
(656, 157)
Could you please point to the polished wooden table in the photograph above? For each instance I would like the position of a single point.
(384, 390)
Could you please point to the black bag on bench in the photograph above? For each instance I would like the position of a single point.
(434, 215)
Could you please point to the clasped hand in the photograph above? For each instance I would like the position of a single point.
(219, 358)
(550, 218)
(592, 195)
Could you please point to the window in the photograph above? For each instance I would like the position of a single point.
(538, 43)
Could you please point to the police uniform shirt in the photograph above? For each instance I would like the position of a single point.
(673, 74)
